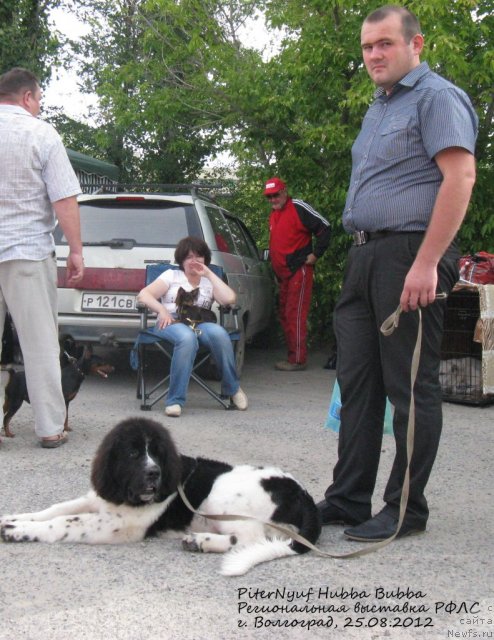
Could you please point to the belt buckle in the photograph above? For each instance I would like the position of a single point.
(360, 238)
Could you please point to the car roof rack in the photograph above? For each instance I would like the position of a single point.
(209, 190)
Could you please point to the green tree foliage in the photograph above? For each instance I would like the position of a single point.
(314, 96)
(178, 81)
(316, 91)
(106, 55)
(25, 37)
(460, 37)
(153, 66)
(79, 136)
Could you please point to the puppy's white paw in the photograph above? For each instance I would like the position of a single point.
(191, 543)
(9, 533)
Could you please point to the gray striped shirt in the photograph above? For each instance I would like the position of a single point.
(34, 172)
(395, 180)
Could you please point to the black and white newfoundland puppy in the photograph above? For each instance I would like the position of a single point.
(135, 475)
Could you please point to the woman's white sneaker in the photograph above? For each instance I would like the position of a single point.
(173, 411)
(240, 400)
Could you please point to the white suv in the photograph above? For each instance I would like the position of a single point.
(124, 232)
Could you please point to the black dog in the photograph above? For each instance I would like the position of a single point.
(188, 311)
(73, 373)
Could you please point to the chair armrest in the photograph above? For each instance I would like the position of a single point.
(225, 309)
(144, 314)
(229, 308)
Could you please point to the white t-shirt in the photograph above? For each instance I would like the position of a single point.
(176, 278)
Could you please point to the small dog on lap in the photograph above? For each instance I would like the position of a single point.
(135, 474)
(187, 310)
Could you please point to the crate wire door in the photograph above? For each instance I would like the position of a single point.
(465, 357)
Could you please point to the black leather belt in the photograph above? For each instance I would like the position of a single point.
(363, 237)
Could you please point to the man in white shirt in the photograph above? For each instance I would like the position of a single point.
(37, 184)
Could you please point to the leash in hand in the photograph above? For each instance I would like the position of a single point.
(387, 328)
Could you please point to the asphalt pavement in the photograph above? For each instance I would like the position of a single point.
(437, 585)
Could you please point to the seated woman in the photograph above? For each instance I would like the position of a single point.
(193, 257)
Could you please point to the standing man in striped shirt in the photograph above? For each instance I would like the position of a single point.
(412, 177)
(37, 183)
(292, 224)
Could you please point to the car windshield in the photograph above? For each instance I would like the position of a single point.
(129, 224)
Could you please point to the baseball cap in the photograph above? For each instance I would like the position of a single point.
(273, 185)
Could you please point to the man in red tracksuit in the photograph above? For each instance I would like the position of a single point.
(292, 223)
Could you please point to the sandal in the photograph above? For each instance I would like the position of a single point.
(55, 442)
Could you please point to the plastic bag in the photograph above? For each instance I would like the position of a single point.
(477, 268)
(333, 418)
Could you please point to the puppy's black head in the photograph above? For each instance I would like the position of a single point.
(186, 298)
(136, 463)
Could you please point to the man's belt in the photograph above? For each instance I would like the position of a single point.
(363, 237)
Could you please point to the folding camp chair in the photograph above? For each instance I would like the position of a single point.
(151, 393)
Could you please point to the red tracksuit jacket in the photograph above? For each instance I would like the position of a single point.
(290, 236)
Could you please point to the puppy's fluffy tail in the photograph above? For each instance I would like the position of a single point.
(239, 561)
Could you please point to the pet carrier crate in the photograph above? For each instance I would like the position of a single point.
(467, 354)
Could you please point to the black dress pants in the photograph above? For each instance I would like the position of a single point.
(371, 366)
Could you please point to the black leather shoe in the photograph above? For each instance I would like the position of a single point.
(381, 527)
(334, 515)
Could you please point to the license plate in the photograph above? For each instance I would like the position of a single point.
(121, 302)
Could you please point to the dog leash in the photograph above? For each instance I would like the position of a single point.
(387, 328)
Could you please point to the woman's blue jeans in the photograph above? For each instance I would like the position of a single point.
(185, 345)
